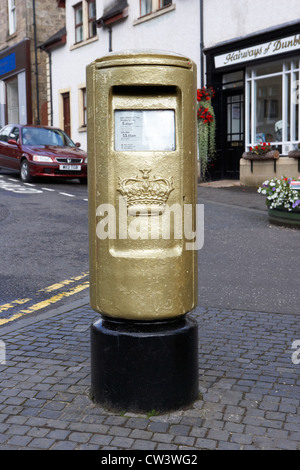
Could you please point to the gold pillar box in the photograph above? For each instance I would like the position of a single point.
(142, 185)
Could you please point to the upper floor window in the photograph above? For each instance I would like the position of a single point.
(165, 3)
(12, 22)
(92, 18)
(150, 6)
(146, 7)
(85, 20)
(78, 23)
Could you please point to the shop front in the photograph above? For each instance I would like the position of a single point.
(15, 84)
(256, 81)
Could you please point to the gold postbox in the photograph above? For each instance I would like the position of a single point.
(142, 184)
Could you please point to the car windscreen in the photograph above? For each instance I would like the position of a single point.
(33, 136)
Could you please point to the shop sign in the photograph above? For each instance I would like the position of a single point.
(7, 64)
(268, 49)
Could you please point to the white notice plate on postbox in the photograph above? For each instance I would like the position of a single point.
(145, 130)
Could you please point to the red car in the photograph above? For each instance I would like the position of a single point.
(41, 151)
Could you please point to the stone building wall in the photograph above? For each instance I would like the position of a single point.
(49, 19)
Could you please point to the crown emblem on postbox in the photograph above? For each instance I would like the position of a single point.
(145, 195)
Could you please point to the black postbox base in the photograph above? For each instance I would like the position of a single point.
(144, 366)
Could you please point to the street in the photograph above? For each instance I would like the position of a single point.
(44, 244)
(248, 327)
(245, 262)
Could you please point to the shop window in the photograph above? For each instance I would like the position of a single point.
(268, 69)
(272, 113)
(233, 80)
(268, 123)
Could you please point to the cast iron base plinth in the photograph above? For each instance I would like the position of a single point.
(144, 366)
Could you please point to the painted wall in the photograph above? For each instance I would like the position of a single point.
(231, 19)
(177, 31)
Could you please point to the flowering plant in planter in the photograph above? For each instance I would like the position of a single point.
(261, 148)
(261, 151)
(206, 127)
(280, 195)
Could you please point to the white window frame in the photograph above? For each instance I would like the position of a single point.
(290, 72)
(86, 38)
(156, 10)
(12, 17)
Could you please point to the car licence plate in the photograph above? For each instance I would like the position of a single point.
(70, 167)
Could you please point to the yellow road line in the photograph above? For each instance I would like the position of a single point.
(61, 284)
(46, 303)
(5, 307)
(47, 290)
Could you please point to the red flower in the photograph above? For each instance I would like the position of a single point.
(204, 114)
(205, 94)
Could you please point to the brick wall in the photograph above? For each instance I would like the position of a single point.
(49, 19)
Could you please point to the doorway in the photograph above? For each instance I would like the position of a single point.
(234, 106)
(66, 113)
(12, 100)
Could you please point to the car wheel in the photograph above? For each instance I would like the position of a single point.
(83, 180)
(25, 171)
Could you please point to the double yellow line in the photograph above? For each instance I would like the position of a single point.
(47, 302)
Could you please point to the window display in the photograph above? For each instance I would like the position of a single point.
(272, 113)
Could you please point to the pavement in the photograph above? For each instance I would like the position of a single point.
(249, 354)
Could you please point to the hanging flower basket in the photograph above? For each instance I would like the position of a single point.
(206, 126)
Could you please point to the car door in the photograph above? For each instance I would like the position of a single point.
(4, 136)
